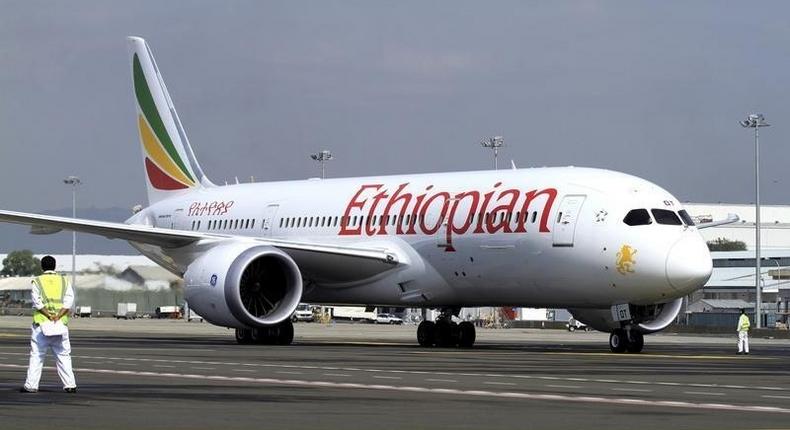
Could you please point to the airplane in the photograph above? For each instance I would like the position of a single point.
(617, 251)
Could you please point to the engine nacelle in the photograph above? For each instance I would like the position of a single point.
(243, 285)
(648, 319)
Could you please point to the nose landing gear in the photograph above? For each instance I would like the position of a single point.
(445, 332)
(621, 340)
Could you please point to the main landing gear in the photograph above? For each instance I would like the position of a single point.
(622, 340)
(279, 334)
(446, 333)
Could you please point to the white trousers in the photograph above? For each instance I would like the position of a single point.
(61, 348)
(743, 341)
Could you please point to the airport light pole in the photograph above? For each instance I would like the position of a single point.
(755, 121)
(322, 157)
(494, 143)
(74, 181)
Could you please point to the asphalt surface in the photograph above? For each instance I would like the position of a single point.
(172, 374)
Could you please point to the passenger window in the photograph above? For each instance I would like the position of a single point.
(686, 217)
(667, 217)
(534, 216)
(198, 225)
(638, 217)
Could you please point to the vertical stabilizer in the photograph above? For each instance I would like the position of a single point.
(170, 165)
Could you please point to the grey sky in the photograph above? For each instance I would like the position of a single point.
(655, 89)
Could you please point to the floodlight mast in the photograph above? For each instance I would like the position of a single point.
(322, 157)
(755, 121)
(494, 143)
(74, 181)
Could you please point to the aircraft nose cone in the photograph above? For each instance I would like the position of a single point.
(689, 265)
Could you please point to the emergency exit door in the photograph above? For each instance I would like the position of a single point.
(565, 221)
(269, 215)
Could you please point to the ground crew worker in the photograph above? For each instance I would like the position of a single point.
(743, 333)
(53, 298)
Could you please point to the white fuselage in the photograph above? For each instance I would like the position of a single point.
(528, 237)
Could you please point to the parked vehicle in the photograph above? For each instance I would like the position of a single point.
(83, 312)
(168, 312)
(574, 324)
(192, 315)
(354, 313)
(388, 319)
(126, 311)
(304, 313)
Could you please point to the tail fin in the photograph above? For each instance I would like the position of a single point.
(170, 165)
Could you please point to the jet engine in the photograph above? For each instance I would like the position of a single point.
(647, 319)
(243, 285)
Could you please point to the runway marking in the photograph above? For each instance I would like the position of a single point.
(768, 396)
(421, 372)
(339, 375)
(703, 393)
(386, 377)
(445, 391)
(635, 390)
(649, 355)
(498, 383)
(286, 372)
(163, 365)
(562, 386)
(203, 368)
(125, 364)
(97, 362)
(243, 370)
(440, 380)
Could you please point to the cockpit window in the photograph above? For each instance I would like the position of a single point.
(686, 217)
(638, 217)
(664, 216)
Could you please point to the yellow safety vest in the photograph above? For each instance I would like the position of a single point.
(52, 288)
(743, 323)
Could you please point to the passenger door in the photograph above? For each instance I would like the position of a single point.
(565, 221)
(269, 215)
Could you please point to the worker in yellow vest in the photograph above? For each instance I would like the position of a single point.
(52, 297)
(743, 333)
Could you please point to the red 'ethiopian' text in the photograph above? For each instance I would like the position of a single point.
(432, 211)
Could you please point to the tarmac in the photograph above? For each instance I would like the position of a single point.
(158, 374)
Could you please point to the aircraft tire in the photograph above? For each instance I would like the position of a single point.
(261, 336)
(618, 340)
(466, 334)
(446, 334)
(636, 342)
(243, 336)
(285, 334)
(426, 333)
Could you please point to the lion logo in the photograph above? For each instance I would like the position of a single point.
(625, 260)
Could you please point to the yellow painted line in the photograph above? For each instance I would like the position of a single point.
(10, 335)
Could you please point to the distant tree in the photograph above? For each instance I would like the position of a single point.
(21, 263)
(722, 244)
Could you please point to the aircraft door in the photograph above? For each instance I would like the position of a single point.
(269, 215)
(565, 222)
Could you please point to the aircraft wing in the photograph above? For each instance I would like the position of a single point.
(319, 258)
(731, 218)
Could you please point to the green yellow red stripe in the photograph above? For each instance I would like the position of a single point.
(158, 155)
(149, 110)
